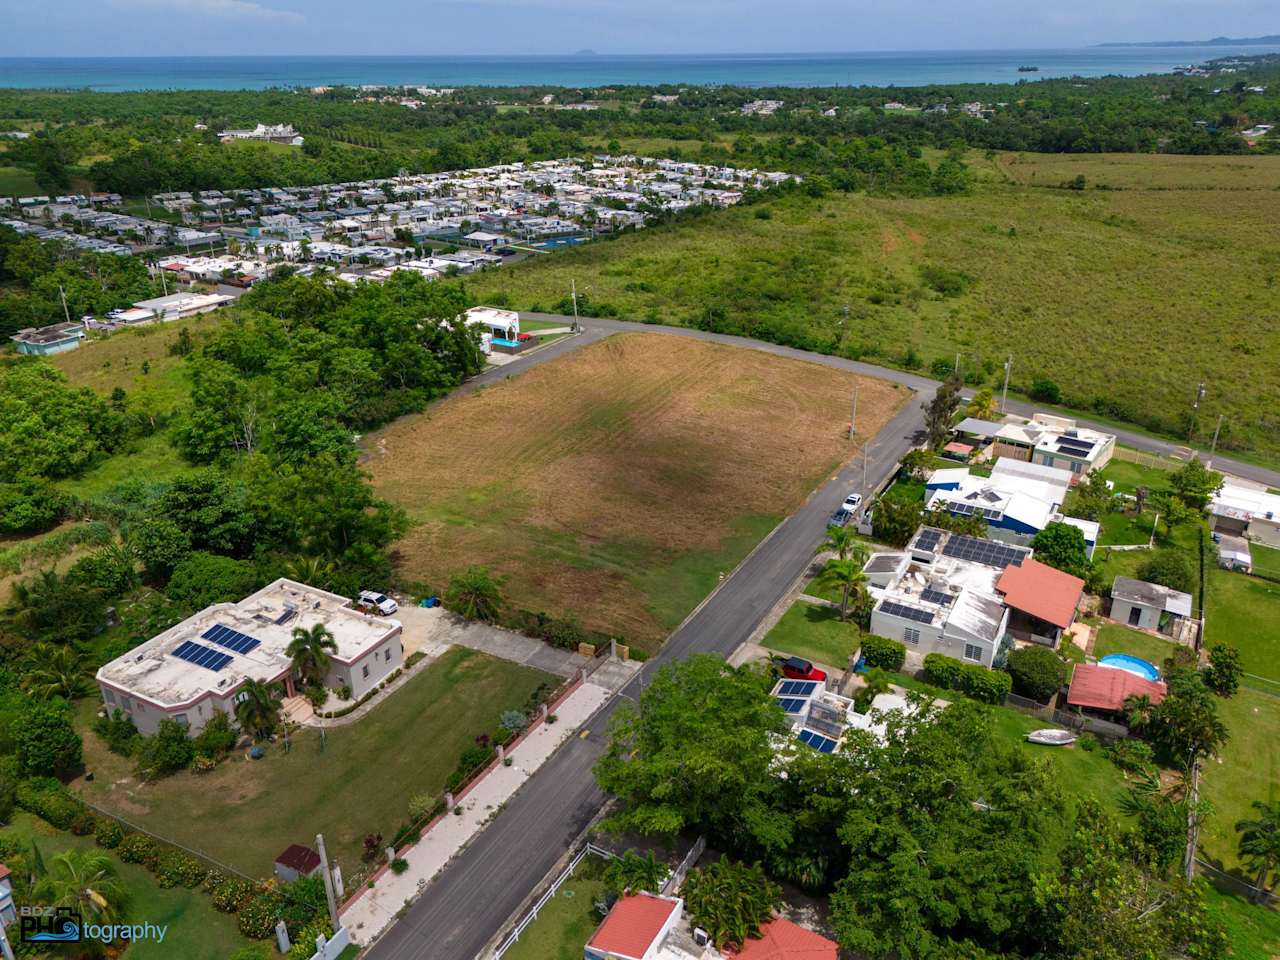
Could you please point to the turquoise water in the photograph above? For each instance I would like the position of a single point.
(909, 68)
(1135, 665)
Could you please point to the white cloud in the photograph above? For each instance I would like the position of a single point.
(222, 9)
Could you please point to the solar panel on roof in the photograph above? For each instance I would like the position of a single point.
(797, 688)
(984, 551)
(817, 741)
(935, 596)
(202, 656)
(791, 704)
(224, 636)
(907, 613)
(928, 539)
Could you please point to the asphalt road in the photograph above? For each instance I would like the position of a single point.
(464, 907)
(466, 904)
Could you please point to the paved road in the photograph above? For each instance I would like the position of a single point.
(467, 903)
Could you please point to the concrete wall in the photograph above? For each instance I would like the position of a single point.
(146, 716)
(385, 658)
(1149, 617)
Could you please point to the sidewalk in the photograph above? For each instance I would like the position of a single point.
(376, 908)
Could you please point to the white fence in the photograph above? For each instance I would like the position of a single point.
(532, 915)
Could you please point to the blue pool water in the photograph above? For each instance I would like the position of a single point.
(559, 242)
(1135, 665)
(499, 341)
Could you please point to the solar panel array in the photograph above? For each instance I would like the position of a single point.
(928, 539)
(202, 656)
(907, 613)
(797, 688)
(1074, 446)
(792, 704)
(224, 636)
(936, 596)
(989, 552)
(818, 741)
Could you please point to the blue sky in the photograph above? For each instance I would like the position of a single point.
(424, 27)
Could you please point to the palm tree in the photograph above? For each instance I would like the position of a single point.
(875, 682)
(1137, 711)
(53, 671)
(314, 571)
(845, 575)
(85, 881)
(1260, 843)
(257, 710)
(475, 595)
(983, 405)
(731, 900)
(843, 543)
(310, 651)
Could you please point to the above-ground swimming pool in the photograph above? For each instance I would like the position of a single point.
(1135, 665)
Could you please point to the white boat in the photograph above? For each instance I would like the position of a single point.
(1051, 737)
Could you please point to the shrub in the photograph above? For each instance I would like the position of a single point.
(883, 652)
(217, 738)
(50, 801)
(1133, 756)
(8, 794)
(83, 824)
(167, 750)
(399, 865)
(45, 741)
(257, 919)
(316, 695)
(1223, 674)
(137, 848)
(202, 579)
(971, 679)
(109, 834)
(420, 806)
(1037, 672)
(513, 720)
(1044, 390)
(1172, 568)
(473, 758)
(118, 732)
(176, 869)
(304, 944)
(230, 895)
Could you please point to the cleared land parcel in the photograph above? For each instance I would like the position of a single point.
(618, 482)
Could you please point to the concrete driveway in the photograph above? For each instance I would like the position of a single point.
(431, 630)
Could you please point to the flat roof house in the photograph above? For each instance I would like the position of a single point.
(1245, 509)
(1044, 439)
(55, 338)
(502, 324)
(178, 305)
(199, 666)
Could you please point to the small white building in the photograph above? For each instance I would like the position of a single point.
(198, 667)
(501, 324)
(1148, 606)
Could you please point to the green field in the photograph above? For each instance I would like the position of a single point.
(196, 931)
(17, 182)
(566, 923)
(1113, 638)
(816, 633)
(1266, 560)
(358, 780)
(1244, 612)
(1094, 267)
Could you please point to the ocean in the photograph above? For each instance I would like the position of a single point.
(910, 68)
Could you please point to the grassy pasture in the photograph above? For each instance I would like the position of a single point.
(1130, 295)
(620, 481)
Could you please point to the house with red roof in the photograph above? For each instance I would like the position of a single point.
(780, 939)
(635, 928)
(1041, 598)
(1104, 690)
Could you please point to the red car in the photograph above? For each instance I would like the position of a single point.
(797, 668)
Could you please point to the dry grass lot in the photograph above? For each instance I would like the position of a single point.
(617, 482)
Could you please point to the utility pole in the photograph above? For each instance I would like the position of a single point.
(573, 286)
(1193, 823)
(1214, 449)
(328, 883)
(853, 417)
(1005, 395)
(66, 312)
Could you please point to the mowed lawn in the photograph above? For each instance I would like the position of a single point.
(815, 632)
(1244, 612)
(196, 931)
(1187, 243)
(1247, 770)
(357, 781)
(1113, 638)
(566, 923)
(619, 482)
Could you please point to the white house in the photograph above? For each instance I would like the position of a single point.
(200, 665)
(1148, 606)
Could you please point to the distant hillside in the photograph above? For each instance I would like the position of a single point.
(1272, 39)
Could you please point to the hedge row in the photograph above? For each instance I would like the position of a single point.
(971, 679)
(391, 677)
(883, 653)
